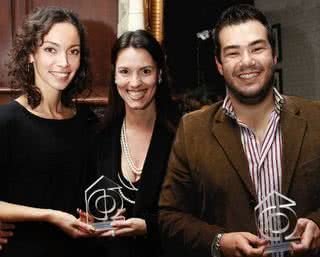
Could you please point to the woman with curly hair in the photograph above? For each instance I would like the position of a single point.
(44, 136)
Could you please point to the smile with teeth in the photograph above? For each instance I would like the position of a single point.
(59, 74)
(249, 75)
(136, 95)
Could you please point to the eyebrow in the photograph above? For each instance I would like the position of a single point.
(148, 67)
(56, 44)
(259, 41)
(143, 67)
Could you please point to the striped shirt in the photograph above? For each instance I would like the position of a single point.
(264, 159)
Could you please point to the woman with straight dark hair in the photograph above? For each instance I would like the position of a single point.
(45, 136)
(134, 146)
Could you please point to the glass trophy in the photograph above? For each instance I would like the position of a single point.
(276, 221)
(103, 202)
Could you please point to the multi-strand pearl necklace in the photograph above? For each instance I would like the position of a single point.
(131, 188)
(125, 149)
(127, 157)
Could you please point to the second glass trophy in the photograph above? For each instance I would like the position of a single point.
(276, 221)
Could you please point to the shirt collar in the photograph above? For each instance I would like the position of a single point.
(229, 111)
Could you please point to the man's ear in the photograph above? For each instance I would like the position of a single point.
(219, 65)
(275, 59)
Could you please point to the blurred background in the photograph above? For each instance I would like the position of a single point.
(183, 28)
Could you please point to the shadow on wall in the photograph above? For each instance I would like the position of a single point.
(299, 64)
(300, 52)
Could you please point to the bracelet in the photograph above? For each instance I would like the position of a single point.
(215, 246)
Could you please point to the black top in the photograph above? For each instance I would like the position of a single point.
(42, 164)
(128, 191)
(146, 198)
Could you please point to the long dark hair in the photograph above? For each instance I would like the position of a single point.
(27, 40)
(165, 108)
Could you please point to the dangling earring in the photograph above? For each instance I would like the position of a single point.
(28, 67)
(160, 77)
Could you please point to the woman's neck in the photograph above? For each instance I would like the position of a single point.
(49, 108)
(140, 118)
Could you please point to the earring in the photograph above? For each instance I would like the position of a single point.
(28, 66)
(160, 77)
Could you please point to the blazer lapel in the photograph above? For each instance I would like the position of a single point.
(293, 129)
(227, 134)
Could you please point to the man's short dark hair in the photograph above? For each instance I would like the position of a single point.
(238, 14)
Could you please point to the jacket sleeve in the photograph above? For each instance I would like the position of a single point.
(180, 203)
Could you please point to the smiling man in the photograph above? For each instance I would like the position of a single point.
(253, 143)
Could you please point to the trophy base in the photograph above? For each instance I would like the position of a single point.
(102, 225)
(280, 247)
(277, 248)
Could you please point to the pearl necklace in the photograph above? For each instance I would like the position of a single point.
(126, 198)
(125, 149)
(131, 188)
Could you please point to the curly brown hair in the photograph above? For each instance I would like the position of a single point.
(27, 40)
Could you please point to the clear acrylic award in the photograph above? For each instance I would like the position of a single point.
(276, 221)
(103, 202)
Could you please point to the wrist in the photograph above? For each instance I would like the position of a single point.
(48, 215)
(216, 246)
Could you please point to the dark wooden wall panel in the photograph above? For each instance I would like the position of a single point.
(6, 22)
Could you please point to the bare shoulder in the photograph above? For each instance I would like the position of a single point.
(22, 100)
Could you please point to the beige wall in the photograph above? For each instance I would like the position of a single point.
(300, 28)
